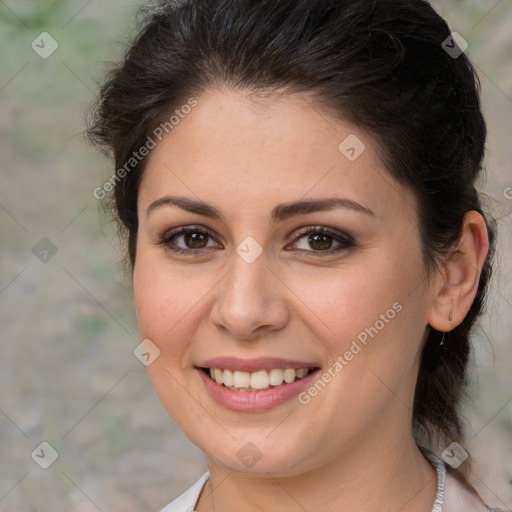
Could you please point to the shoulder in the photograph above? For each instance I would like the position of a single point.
(460, 497)
(186, 502)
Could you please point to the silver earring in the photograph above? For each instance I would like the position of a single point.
(450, 318)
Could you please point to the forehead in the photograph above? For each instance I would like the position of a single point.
(249, 151)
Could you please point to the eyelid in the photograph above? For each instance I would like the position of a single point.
(323, 229)
(183, 230)
(344, 239)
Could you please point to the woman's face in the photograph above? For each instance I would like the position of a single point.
(251, 290)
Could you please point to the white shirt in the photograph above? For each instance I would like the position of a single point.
(187, 501)
(451, 496)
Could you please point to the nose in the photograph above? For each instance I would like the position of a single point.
(250, 301)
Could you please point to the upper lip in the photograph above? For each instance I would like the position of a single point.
(253, 365)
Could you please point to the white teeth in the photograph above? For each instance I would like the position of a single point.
(240, 379)
(262, 379)
(219, 374)
(289, 375)
(276, 377)
(228, 378)
(302, 372)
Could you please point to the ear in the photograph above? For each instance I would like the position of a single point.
(456, 288)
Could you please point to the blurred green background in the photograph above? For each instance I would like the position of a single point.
(67, 373)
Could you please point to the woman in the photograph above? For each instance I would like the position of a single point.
(309, 253)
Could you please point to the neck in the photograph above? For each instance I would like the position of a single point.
(376, 475)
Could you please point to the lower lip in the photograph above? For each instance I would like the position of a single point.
(255, 401)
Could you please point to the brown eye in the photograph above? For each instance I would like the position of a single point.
(321, 240)
(195, 240)
(187, 240)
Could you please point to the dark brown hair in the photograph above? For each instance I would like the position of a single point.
(383, 64)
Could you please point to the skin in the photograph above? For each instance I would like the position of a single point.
(351, 447)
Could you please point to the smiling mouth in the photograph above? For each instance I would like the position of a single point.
(261, 380)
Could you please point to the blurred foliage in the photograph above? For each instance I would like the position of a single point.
(90, 326)
(36, 14)
(49, 178)
(117, 432)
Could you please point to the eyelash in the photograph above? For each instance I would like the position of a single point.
(345, 240)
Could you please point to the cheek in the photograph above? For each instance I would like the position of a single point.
(159, 305)
(170, 301)
(162, 304)
(345, 301)
(373, 314)
(161, 298)
(372, 321)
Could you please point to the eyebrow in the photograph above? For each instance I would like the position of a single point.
(280, 213)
